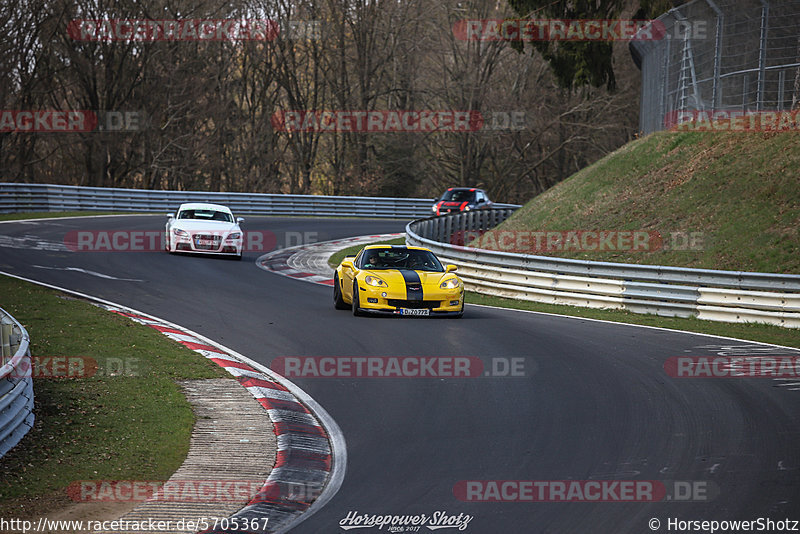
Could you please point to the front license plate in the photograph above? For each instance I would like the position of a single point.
(406, 311)
(205, 242)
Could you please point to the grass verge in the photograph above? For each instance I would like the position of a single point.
(129, 421)
(737, 192)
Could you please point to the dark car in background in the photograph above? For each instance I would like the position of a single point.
(457, 199)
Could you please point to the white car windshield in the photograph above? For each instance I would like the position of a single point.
(205, 215)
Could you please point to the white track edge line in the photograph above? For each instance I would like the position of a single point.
(607, 321)
(338, 445)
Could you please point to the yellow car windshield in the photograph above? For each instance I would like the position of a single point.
(400, 258)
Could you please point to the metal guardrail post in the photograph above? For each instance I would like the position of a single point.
(16, 384)
(762, 54)
(5, 335)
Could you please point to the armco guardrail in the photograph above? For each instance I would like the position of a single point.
(16, 383)
(15, 197)
(730, 296)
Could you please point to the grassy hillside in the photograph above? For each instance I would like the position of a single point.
(739, 192)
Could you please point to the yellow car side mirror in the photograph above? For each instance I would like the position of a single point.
(451, 268)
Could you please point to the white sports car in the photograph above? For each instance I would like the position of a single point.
(204, 229)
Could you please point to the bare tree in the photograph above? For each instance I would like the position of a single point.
(209, 104)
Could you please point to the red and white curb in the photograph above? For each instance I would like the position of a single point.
(303, 462)
(312, 455)
(310, 262)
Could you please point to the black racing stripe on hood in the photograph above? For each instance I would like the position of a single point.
(413, 284)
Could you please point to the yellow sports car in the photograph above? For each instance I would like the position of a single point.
(397, 280)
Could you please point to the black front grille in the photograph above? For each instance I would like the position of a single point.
(415, 304)
(215, 238)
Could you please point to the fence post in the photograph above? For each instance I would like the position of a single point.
(664, 83)
(716, 98)
(762, 54)
(745, 83)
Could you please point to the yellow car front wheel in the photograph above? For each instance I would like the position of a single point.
(355, 303)
(338, 301)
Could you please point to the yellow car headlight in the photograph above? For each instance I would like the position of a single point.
(450, 283)
(375, 281)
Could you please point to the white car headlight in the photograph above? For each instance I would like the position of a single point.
(179, 232)
(235, 235)
(450, 283)
(375, 281)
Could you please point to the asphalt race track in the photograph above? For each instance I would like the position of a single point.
(594, 401)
